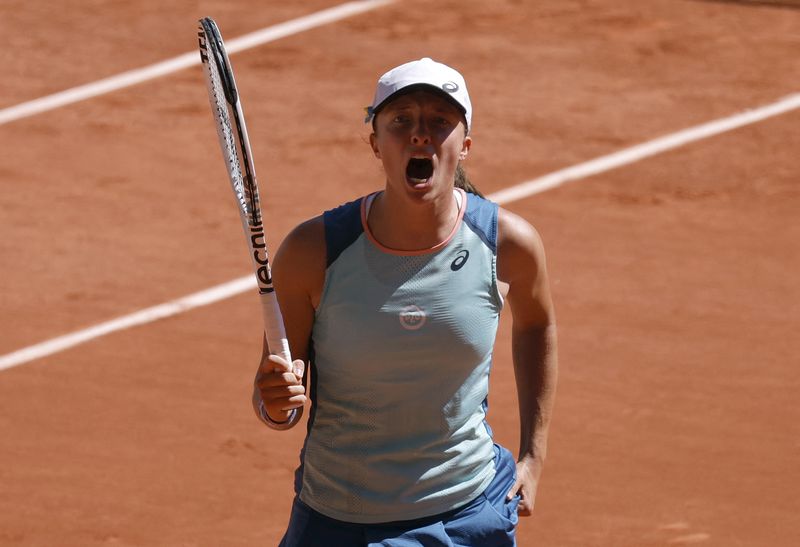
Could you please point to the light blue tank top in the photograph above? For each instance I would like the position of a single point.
(401, 351)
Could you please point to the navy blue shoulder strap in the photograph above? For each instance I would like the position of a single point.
(342, 228)
(481, 216)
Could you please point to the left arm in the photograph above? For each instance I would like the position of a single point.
(521, 266)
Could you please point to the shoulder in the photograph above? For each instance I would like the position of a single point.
(310, 242)
(518, 245)
(298, 272)
(520, 248)
(514, 230)
(303, 248)
(521, 265)
(308, 250)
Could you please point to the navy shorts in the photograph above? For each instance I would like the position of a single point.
(487, 521)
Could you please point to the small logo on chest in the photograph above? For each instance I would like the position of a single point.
(460, 260)
(412, 317)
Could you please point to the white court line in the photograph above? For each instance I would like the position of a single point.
(645, 149)
(519, 191)
(139, 75)
(148, 315)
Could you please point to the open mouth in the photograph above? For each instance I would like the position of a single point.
(419, 169)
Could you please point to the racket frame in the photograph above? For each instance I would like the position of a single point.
(236, 151)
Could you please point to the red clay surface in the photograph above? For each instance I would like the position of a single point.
(675, 278)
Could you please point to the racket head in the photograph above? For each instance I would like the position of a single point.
(215, 64)
(226, 107)
(216, 48)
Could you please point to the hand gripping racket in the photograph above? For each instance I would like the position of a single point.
(232, 132)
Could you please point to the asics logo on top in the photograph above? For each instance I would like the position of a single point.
(460, 260)
(450, 87)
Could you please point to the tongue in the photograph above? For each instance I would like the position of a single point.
(419, 168)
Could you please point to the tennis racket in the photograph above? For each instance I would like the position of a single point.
(226, 107)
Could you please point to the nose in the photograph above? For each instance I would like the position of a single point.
(420, 133)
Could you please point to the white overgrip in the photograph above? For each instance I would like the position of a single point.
(273, 326)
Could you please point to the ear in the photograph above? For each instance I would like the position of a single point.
(465, 148)
(374, 145)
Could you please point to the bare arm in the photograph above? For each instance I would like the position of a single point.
(521, 265)
(298, 274)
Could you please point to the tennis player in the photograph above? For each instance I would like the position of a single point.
(394, 300)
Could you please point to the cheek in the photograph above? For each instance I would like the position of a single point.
(456, 149)
(387, 144)
(455, 139)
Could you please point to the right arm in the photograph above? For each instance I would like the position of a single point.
(298, 274)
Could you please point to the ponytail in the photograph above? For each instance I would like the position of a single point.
(463, 182)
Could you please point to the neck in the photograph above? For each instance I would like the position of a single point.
(402, 224)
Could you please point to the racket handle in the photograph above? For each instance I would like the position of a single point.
(273, 326)
(278, 345)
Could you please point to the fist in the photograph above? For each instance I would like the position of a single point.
(279, 384)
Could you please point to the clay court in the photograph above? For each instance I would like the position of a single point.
(674, 273)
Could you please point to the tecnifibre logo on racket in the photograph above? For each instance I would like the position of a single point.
(261, 256)
(412, 317)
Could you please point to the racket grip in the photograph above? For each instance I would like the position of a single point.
(278, 345)
(273, 326)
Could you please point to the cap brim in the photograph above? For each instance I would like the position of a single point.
(412, 88)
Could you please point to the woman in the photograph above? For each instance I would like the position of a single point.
(394, 299)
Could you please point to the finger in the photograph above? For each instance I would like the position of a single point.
(525, 507)
(299, 368)
(277, 363)
(514, 490)
(527, 498)
(272, 393)
(283, 400)
(277, 379)
(294, 402)
(286, 403)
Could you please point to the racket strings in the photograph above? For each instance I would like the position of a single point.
(226, 135)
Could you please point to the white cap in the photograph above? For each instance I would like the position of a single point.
(425, 72)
